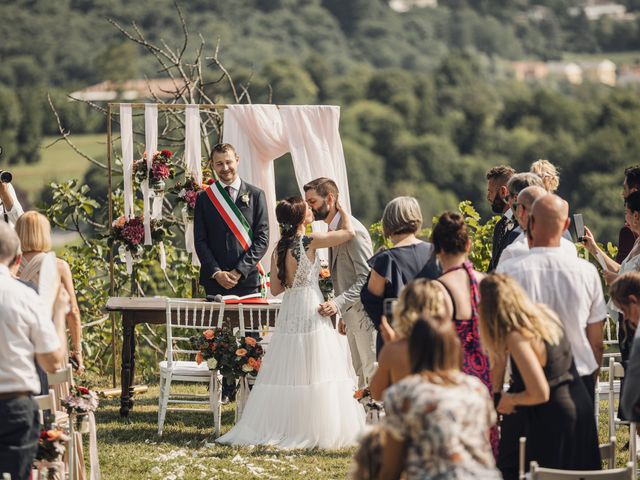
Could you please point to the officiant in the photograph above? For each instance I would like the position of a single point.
(231, 229)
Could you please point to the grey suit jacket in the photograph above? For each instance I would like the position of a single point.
(349, 268)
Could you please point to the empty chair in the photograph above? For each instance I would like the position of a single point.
(184, 318)
(539, 473)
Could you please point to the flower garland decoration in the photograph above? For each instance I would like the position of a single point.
(160, 170)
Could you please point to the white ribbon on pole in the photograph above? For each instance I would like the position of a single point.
(193, 169)
(151, 145)
(93, 449)
(126, 138)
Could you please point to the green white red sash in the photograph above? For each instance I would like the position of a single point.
(235, 220)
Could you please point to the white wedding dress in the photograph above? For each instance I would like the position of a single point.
(303, 395)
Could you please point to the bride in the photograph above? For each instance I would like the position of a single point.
(303, 395)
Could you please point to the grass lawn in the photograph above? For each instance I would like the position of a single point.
(130, 448)
(58, 162)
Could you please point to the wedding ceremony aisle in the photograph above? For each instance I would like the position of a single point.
(130, 447)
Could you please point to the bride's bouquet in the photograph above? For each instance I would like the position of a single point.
(324, 281)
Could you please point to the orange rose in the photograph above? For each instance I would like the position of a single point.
(53, 435)
(358, 394)
(252, 362)
(241, 352)
(325, 273)
(208, 334)
(250, 341)
(199, 358)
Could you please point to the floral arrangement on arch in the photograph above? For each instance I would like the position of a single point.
(129, 233)
(324, 281)
(160, 170)
(187, 193)
(223, 351)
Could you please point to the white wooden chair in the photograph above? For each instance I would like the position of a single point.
(539, 473)
(616, 373)
(62, 419)
(183, 316)
(45, 402)
(607, 453)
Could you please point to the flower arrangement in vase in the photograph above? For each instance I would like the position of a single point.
(51, 448)
(160, 170)
(187, 193)
(129, 234)
(81, 401)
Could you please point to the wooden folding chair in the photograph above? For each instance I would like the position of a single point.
(539, 473)
(58, 380)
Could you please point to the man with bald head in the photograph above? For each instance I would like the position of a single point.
(568, 284)
(521, 210)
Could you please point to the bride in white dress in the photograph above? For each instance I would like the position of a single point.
(303, 395)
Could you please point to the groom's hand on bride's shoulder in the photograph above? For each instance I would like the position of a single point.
(328, 309)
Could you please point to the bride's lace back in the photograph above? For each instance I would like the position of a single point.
(307, 271)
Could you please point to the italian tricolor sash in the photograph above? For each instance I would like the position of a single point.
(235, 220)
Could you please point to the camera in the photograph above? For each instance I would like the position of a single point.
(5, 177)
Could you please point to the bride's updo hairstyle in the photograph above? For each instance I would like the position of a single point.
(290, 213)
(450, 234)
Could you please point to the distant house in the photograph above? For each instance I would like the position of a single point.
(406, 5)
(595, 10)
(162, 88)
(529, 71)
(603, 71)
(628, 75)
(571, 72)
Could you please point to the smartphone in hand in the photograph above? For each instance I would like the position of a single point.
(387, 307)
(578, 224)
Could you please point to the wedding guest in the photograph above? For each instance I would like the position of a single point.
(625, 293)
(555, 409)
(392, 269)
(521, 210)
(34, 231)
(548, 173)
(497, 195)
(570, 286)
(26, 336)
(418, 298)
(10, 208)
(459, 283)
(349, 271)
(437, 419)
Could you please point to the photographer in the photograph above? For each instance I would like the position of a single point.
(10, 208)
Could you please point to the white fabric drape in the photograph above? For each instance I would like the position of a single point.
(262, 133)
(126, 139)
(151, 145)
(315, 145)
(193, 168)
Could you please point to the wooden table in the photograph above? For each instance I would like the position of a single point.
(150, 310)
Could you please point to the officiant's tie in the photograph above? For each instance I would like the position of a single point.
(229, 191)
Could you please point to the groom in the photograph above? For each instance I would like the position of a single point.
(231, 229)
(349, 271)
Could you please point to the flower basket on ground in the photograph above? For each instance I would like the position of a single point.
(160, 170)
(51, 448)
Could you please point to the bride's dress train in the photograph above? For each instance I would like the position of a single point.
(303, 395)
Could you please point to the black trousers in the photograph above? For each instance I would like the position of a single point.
(19, 433)
(590, 383)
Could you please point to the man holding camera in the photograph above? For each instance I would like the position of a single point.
(10, 208)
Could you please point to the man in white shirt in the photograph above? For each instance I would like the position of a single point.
(521, 209)
(567, 284)
(26, 334)
(10, 208)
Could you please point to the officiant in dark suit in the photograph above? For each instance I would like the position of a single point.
(231, 229)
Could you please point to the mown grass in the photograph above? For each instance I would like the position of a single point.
(130, 448)
(58, 162)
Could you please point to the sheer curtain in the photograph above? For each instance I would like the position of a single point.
(262, 133)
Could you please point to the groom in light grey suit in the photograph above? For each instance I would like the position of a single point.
(349, 271)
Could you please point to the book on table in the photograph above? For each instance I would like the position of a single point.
(252, 298)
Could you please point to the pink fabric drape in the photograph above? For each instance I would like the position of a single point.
(262, 133)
